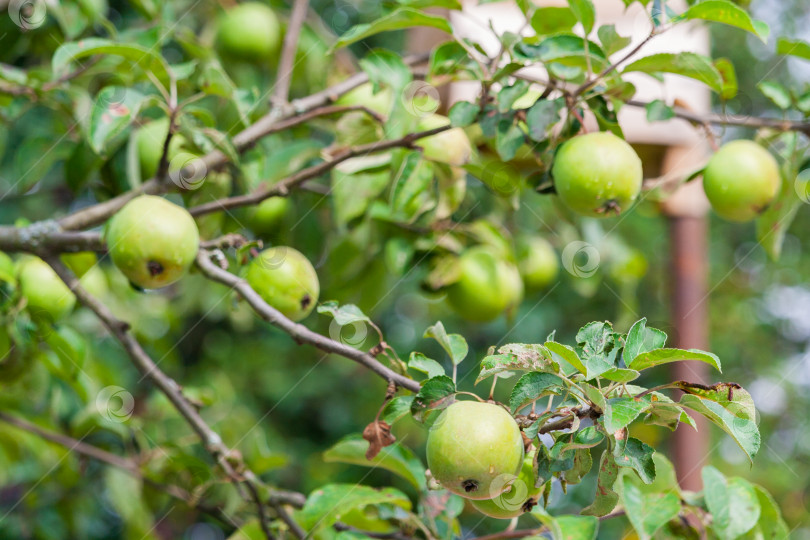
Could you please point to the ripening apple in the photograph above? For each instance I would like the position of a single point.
(487, 285)
(451, 146)
(597, 174)
(364, 95)
(149, 141)
(286, 280)
(152, 241)
(80, 263)
(45, 293)
(250, 31)
(518, 499)
(471, 445)
(265, 217)
(741, 180)
(538, 263)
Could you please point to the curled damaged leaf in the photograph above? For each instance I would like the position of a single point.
(378, 434)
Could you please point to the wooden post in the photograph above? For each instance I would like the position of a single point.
(689, 254)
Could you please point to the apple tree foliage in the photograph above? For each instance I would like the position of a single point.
(252, 152)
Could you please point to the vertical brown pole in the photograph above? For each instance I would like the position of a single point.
(688, 237)
(689, 229)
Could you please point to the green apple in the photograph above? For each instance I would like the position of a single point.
(149, 141)
(451, 146)
(518, 499)
(538, 263)
(470, 448)
(487, 285)
(286, 280)
(628, 266)
(45, 293)
(250, 32)
(741, 180)
(597, 174)
(94, 281)
(7, 270)
(152, 241)
(364, 95)
(80, 263)
(266, 217)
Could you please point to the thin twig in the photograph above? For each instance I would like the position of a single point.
(288, 50)
(731, 120)
(299, 332)
(283, 187)
(587, 85)
(98, 213)
(119, 462)
(211, 440)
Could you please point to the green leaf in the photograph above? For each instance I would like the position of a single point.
(566, 354)
(777, 93)
(532, 386)
(428, 366)
(451, 58)
(542, 116)
(144, 58)
(646, 511)
(598, 348)
(729, 75)
(436, 393)
(584, 12)
(621, 411)
(454, 344)
(793, 47)
(733, 503)
(723, 11)
(517, 356)
(611, 41)
(463, 113)
(641, 339)
(326, 504)
(396, 20)
(395, 458)
(353, 192)
(577, 527)
(665, 412)
(411, 194)
(397, 408)
(508, 139)
(658, 111)
(687, 64)
(737, 417)
(553, 20)
(385, 68)
(565, 49)
(125, 494)
(509, 94)
(583, 462)
(770, 524)
(605, 499)
(658, 357)
(113, 111)
(638, 456)
(343, 315)
(621, 375)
